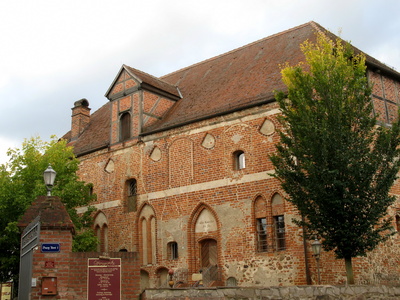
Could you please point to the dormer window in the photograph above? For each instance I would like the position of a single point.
(125, 126)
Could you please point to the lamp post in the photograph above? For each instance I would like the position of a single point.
(316, 248)
(49, 176)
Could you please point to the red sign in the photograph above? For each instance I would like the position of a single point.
(104, 279)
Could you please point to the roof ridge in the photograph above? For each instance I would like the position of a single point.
(312, 23)
(148, 74)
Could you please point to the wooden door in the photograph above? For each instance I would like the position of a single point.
(209, 255)
(209, 259)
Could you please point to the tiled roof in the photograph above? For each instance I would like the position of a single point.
(97, 134)
(241, 78)
(53, 214)
(153, 81)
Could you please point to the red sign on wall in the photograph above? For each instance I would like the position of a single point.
(104, 279)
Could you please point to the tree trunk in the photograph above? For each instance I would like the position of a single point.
(349, 270)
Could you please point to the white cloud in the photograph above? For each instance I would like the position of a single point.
(5, 145)
(55, 52)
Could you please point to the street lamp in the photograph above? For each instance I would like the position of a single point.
(49, 176)
(316, 248)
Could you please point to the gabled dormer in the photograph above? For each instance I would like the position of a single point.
(138, 100)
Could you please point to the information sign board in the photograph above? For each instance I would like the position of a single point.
(104, 279)
(55, 247)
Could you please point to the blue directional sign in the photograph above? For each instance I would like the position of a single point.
(51, 247)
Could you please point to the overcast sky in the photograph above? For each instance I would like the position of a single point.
(56, 52)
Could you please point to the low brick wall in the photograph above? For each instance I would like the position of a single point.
(325, 292)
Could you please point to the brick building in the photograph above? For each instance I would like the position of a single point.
(180, 167)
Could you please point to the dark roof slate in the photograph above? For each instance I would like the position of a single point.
(52, 212)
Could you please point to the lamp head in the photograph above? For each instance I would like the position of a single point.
(316, 247)
(49, 176)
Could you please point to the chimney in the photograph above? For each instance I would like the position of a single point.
(80, 118)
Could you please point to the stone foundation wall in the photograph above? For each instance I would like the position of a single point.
(325, 292)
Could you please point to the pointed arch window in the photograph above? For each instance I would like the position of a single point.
(260, 214)
(147, 230)
(279, 222)
(125, 126)
(101, 230)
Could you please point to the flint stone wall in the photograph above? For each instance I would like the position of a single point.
(326, 292)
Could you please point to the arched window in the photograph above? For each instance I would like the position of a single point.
(147, 229)
(101, 230)
(279, 222)
(231, 281)
(239, 161)
(125, 126)
(260, 214)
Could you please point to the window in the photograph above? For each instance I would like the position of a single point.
(260, 215)
(239, 160)
(172, 250)
(278, 211)
(101, 231)
(262, 244)
(90, 191)
(231, 281)
(132, 194)
(280, 232)
(125, 126)
(102, 236)
(147, 236)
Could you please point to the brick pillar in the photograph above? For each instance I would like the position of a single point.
(50, 267)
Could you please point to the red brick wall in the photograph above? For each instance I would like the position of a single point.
(189, 177)
(130, 280)
(71, 269)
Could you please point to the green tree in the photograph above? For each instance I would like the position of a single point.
(335, 164)
(21, 181)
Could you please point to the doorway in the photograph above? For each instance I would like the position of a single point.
(209, 259)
